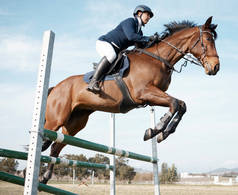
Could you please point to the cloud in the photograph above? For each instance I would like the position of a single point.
(102, 18)
(101, 8)
(18, 52)
(19, 105)
(227, 48)
(72, 56)
(16, 103)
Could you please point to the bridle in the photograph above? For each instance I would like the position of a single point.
(187, 57)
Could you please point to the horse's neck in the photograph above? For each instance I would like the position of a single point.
(180, 41)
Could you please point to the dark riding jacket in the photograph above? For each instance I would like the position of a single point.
(125, 34)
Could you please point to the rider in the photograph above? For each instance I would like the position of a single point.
(126, 34)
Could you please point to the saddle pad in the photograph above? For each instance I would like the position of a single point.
(88, 76)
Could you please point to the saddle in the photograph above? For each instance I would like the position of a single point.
(116, 72)
(116, 64)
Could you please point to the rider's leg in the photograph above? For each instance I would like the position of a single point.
(99, 72)
(108, 55)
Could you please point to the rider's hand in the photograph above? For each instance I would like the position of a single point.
(154, 37)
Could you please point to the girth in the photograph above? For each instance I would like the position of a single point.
(127, 102)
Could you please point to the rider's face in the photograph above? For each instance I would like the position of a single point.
(145, 17)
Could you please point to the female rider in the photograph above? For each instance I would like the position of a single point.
(126, 34)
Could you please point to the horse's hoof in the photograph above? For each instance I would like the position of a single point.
(160, 137)
(44, 181)
(148, 134)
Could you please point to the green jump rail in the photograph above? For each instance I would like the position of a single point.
(73, 141)
(47, 159)
(41, 187)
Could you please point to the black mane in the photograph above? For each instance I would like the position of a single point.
(174, 26)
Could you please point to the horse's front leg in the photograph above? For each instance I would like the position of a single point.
(173, 124)
(156, 97)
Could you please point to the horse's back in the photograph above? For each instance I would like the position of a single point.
(72, 92)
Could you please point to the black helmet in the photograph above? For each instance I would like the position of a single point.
(143, 8)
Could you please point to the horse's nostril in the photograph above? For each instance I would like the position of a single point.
(216, 68)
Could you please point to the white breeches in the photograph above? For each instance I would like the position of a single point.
(105, 49)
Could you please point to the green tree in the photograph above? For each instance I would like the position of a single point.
(79, 171)
(168, 174)
(172, 174)
(164, 173)
(100, 173)
(8, 165)
(123, 170)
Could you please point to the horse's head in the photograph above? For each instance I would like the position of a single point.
(204, 47)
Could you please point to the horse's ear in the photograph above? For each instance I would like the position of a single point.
(208, 22)
(214, 26)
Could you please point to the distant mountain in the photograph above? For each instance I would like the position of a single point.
(235, 170)
(222, 171)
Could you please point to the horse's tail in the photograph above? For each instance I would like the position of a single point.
(47, 143)
(49, 90)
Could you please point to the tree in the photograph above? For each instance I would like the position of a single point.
(100, 173)
(172, 174)
(123, 171)
(164, 173)
(79, 171)
(8, 165)
(168, 175)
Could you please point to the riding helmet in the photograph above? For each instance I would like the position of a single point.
(143, 8)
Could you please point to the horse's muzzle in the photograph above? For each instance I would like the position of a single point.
(212, 70)
(212, 65)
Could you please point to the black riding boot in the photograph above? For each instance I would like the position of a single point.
(99, 72)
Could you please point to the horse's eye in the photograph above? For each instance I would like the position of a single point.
(209, 39)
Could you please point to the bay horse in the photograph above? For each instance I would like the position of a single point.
(69, 103)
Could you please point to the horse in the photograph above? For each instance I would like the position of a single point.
(69, 103)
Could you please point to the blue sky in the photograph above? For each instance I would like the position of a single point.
(207, 136)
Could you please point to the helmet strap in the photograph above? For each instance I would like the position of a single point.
(141, 18)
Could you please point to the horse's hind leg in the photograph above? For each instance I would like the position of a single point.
(47, 175)
(76, 122)
(58, 110)
(53, 127)
(55, 150)
(56, 117)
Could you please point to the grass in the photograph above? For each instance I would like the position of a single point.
(103, 189)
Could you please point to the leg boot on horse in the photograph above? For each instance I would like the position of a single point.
(174, 123)
(164, 121)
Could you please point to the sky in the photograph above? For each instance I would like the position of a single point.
(205, 139)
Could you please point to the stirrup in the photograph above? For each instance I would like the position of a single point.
(94, 87)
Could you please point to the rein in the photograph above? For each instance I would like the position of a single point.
(166, 62)
(186, 57)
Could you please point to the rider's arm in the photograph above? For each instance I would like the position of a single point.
(129, 28)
